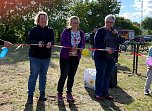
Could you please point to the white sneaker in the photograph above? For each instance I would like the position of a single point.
(146, 92)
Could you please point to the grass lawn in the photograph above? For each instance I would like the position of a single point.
(14, 72)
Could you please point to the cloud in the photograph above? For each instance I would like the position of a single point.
(131, 16)
(137, 5)
(144, 8)
(143, 5)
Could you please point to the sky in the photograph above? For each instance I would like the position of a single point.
(131, 9)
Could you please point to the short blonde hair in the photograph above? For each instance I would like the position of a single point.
(70, 20)
(110, 18)
(36, 19)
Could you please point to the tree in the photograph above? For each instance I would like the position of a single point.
(13, 17)
(122, 23)
(146, 23)
(136, 23)
(92, 14)
(17, 15)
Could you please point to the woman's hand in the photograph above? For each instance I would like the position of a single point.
(115, 31)
(80, 50)
(73, 49)
(109, 50)
(49, 44)
(41, 44)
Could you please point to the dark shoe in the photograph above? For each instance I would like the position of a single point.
(30, 99)
(109, 98)
(59, 97)
(146, 92)
(42, 96)
(70, 98)
(100, 98)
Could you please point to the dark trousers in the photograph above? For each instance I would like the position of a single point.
(68, 68)
(103, 74)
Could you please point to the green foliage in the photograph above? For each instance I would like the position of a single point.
(136, 23)
(18, 16)
(123, 23)
(92, 14)
(10, 36)
(146, 24)
(136, 29)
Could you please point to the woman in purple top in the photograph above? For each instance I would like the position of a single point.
(72, 38)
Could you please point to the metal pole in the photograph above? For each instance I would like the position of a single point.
(137, 59)
(134, 58)
(141, 17)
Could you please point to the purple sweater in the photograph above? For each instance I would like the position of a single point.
(66, 41)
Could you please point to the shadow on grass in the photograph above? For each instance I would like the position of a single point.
(40, 106)
(61, 106)
(28, 107)
(72, 106)
(149, 95)
(119, 95)
(124, 69)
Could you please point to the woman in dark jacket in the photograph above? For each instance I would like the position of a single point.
(106, 38)
(72, 38)
(39, 55)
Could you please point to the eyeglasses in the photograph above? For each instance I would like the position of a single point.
(75, 22)
(109, 22)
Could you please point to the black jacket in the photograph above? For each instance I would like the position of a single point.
(92, 39)
(100, 44)
(37, 34)
(1, 42)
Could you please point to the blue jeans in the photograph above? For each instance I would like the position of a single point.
(148, 80)
(92, 52)
(103, 74)
(37, 67)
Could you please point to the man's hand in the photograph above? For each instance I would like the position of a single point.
(7, 44)
(41, 44)
(49, 44)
